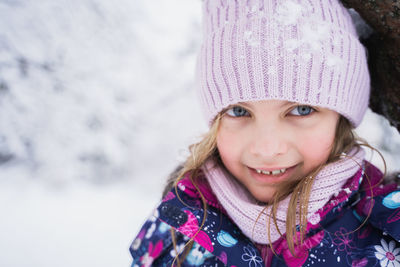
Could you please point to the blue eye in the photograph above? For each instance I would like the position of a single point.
(302, 111)
(237, 111)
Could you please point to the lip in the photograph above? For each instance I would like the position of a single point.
(265, 178)
(271, 169)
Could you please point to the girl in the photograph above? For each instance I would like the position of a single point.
(280, 179)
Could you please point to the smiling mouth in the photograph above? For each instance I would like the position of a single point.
(272, 175)
(274, 172)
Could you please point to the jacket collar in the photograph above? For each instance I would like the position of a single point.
(218, 234)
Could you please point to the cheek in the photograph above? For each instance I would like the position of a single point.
(223, 141)
(316, 149)
(228, 146)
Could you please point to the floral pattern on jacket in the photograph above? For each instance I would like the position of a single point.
(339, 234)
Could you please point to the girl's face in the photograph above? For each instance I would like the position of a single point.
(266, 142)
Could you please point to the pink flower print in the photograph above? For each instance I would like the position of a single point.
(187, 186)
(250, 255)
(387, 254)
(223, 257)
(343, 240)
(365, 232)
(301, 251)
(191, 229)
(152, 253)
(394, 217)
(359, 262)
(169, 196)
(298, 259)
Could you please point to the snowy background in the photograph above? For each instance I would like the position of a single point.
(97, 106)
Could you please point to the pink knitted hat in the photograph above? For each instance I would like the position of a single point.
(304, 51)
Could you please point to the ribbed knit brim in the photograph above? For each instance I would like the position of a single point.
(299, 51)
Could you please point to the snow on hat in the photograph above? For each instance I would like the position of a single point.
(304, 51)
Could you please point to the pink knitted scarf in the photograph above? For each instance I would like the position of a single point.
(244, 210)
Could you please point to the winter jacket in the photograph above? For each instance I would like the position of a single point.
(340, 234)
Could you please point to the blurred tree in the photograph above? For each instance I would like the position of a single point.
(384, 54)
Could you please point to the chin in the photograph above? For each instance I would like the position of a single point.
(261, 197)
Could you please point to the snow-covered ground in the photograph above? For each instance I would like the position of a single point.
(97, 106)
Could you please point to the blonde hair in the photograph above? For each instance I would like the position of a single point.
(345, 140)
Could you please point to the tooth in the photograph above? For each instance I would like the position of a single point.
(276, 172)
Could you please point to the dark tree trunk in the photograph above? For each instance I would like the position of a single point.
(384, 54)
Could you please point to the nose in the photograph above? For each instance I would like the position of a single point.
(268, 142)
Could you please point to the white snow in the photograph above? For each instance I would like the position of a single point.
(288, 12)
(100, 107)
(83, 226)
(97, 106)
